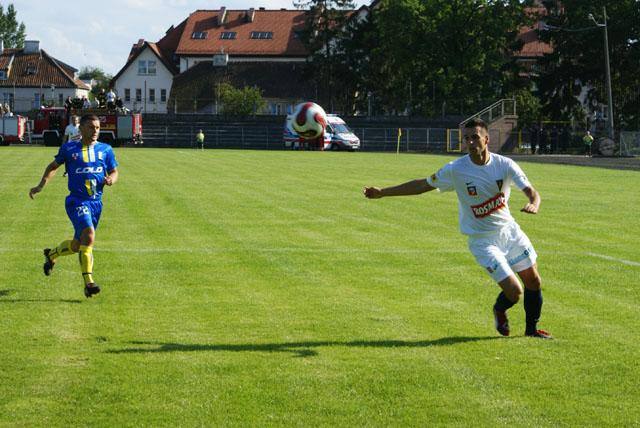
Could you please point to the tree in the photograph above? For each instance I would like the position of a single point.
(103, 80)
(576, 67)
(11, 33)
(528, 107)
(432, 52)
(324, 34)
(240, 102)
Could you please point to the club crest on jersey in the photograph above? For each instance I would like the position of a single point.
(490, 206)
(75, 156)
(471, 189)
(499, 183)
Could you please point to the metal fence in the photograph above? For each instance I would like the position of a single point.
(630, 143)
(269, 137)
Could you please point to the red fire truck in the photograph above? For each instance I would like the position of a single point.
(115, 128)
(12, 129)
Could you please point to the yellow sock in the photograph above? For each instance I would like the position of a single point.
(64, 249)
(86, 263)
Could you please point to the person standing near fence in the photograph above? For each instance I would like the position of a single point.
(482, 181)
(588, 141)
(200, 139)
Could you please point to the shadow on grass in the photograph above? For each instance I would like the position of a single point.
(8, 292)
(299, 349)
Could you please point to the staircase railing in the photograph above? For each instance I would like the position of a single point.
(497, 110)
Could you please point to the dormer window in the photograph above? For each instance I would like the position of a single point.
(228, 35)
(3, 75)
(31, 69)
(199, 35)
(261, 35)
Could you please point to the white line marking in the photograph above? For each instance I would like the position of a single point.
(613, 259)
(260, 250)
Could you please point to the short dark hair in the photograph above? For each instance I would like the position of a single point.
(88, 118)
(476, 121)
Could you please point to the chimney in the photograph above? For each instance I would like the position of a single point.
(31, 46)
(222, 17)
(1, 46)
(250, 15)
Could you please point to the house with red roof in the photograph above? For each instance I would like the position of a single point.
(30, 77)
(229, 40)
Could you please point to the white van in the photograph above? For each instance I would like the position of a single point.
(337, 136)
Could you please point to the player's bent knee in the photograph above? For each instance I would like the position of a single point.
(533, 283)
(531, 279)
(511, 288)
(88, 236)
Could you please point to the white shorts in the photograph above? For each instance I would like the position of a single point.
(503, 253)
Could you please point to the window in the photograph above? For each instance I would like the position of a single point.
(7, 98)
(127, 94)
(228, 35)
(151, 67)
(163, 95)
(147, 67)
(31, 69)
(60, 99)
(138, 94)
(152, 95)
(3, 75)
(199, 35)
(36, 100)
(261, 35)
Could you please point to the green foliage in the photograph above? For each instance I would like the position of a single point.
(577, 62)
(253, 288)
(458, 51)
(100, 76)
(528, 107)
(325, 34)
(240, 102)
(11, 33)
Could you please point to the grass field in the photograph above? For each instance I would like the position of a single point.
(248, 288)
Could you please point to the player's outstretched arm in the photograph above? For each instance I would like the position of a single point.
(49, 173)
(533, 205)
(413, 187)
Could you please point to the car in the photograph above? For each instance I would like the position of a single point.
(337, 136)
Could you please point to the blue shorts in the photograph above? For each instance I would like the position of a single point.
(83, 213)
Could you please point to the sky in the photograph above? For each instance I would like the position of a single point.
(100, 33)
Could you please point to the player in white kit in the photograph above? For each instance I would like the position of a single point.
(482, 180)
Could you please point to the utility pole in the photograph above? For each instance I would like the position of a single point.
(607, 68)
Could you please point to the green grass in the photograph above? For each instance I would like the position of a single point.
(248, 288)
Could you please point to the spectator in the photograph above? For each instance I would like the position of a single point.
(200, 139)
(85, 102)
(111, 100)
(587, 140)
(102, 99)
(68, 104)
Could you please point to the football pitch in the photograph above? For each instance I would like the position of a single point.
(252, 288)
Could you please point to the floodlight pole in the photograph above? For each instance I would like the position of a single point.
(608, 72)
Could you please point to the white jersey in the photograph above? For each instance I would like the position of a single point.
(483, 191)
(73, 132)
